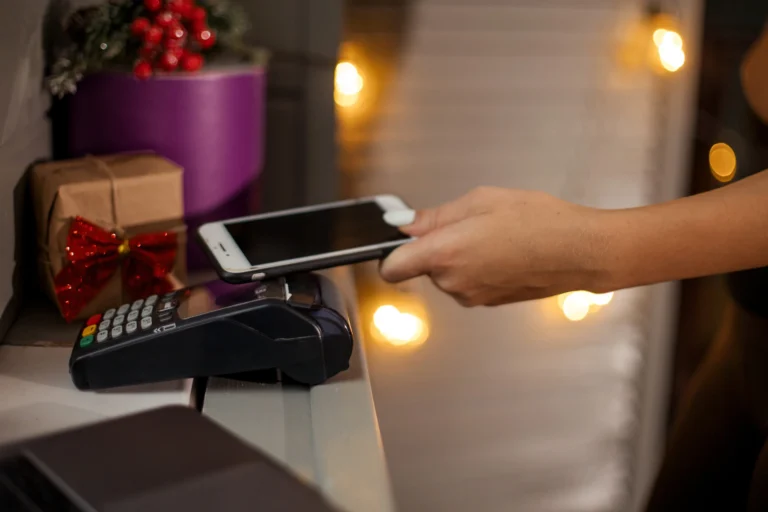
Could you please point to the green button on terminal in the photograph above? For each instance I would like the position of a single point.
(86, 340)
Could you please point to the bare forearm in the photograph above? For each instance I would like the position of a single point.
(712, 233)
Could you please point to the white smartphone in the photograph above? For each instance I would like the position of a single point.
(303, 239)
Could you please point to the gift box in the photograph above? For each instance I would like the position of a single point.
(109, 230)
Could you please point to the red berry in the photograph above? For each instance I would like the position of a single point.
(153, 35)
(153, 5)
(139, 26)
(168, 61)
(198, 25)
(164, 19)
(147, 51)
(175, 47)
(180, 7)
(206, 38)
(142, 70)
(197, 14)
(176, 31)
(191, 61)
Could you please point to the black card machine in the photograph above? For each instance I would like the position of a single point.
(297, 325)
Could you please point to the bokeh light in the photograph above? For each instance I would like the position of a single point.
(399, 328)
(348, 84)
(669, 44)
(602, 299)
(722, 162)
(576, 306)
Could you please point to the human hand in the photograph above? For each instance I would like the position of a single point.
(495, 246)
(754, 77)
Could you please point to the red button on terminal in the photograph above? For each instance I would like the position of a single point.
(93, 320)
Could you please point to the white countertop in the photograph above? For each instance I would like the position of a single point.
(328, 435)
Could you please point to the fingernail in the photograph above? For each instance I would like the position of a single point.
(400, 218)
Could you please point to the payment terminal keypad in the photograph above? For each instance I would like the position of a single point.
(160, 313)
(117, 323)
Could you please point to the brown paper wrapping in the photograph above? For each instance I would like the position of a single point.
(127, 193)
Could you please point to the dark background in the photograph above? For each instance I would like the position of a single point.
(730, 28)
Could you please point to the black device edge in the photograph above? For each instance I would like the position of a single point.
(309, 266)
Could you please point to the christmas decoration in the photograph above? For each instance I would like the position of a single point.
(168, 61)
(191, 61)
(142, 70)
(149, 36)
(94, 255)
(139, 26)
(153, 5)
(109, 228)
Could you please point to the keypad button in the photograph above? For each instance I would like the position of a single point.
(137, 304)
(86, 340)
(93, 320)
(108, 314)
(104, 325)
(166, 306)
(164, 317)
(119, 319)
(151, 300)
(146, 322)
(102, 336)
(89, 330)
(146, 311)
(117, 331)
(130, 327)
(133, 315)
(123, 309)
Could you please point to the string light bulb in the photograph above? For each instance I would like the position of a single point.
(395, 316)
(669, 51)
(602, 299)
(348, 84)
(399, 328)
(669, 45)
(576, 306)
(722, 162)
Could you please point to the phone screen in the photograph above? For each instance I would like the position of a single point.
(300, 235)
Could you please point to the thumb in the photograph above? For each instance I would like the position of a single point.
(407, 261)
(449, 213)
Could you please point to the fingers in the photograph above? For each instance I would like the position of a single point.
(449, 213)
(407, 261)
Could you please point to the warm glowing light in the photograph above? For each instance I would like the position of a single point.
(722, 162)
(348, 79)
(658, 36)
(345, 100)
(670, 47)
(602, 299)
(577, 305)
(348, 84)
(399, 328)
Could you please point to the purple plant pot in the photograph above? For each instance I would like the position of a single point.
(211, 123)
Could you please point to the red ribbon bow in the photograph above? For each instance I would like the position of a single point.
(94, 255)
